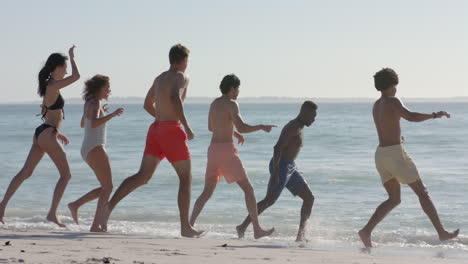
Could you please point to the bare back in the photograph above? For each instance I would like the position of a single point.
(220, 120)
(165, 86)
(387, 121)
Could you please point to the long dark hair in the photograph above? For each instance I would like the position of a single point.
(54, 60)
(93, 86)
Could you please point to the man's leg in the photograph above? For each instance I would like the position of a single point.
(210, 185)
(393, 189)
(306, 210)
(147, 168)
(430, 210)
(268, 201)
(251, 204)
(183, 169)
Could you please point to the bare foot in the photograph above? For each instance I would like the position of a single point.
(74, 212)
(103, 217)
(54, 219)
(263, 233)
(301, 236)
(449, 235)
(301, 239)
(191, 232)
(366, 238)
(97, 230)
(366, 250)
(240, 231)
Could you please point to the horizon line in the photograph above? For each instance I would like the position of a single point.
(133, 99)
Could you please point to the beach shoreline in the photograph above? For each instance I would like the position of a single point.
(30, 246)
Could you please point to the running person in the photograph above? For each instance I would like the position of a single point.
(93, 149)
(393, 163)
(167, 138)
(223, 158)
(47, 138)
(283, 170)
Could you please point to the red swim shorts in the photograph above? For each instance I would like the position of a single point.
(167, 139)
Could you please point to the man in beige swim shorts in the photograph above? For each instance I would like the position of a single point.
(393, 163)
(223, 159)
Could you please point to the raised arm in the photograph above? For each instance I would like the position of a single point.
(243, 127)
(415, 116)
(176, 99)
(59, 84)
(150, 101)
(93, 114)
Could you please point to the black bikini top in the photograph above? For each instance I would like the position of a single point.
(59, 103)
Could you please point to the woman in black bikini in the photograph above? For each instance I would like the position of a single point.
(47, 136)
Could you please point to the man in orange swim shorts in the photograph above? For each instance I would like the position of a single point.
(166, 138)
(223, 158)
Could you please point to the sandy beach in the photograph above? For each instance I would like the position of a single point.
(73, 247)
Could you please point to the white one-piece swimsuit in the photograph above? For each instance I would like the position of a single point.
(93, 137)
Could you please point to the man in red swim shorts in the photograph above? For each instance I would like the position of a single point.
(166, 138)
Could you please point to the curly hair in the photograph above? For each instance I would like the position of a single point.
(93, 86)
(385, 78)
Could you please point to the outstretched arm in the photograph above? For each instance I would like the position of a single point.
(415, 116)
(243, 127)
(59, 84)
(94, 108)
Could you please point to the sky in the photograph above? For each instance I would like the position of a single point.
(277, 48)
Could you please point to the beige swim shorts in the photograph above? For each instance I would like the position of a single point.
(393, 162)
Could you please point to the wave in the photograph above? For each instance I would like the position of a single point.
(319, 237)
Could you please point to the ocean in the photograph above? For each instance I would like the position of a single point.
(337, 161)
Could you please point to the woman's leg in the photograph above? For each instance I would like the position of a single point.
(35, 155)
(99, 162)
(49, 142)
(88, 197)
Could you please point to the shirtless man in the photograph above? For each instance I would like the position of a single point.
(223, 158)
(393, 163)
(284, 172)
(166, 138)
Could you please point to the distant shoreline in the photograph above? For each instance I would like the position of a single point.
(257, 100)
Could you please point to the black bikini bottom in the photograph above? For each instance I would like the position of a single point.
(41, 128)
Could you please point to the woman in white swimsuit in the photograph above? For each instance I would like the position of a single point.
(93, 149)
